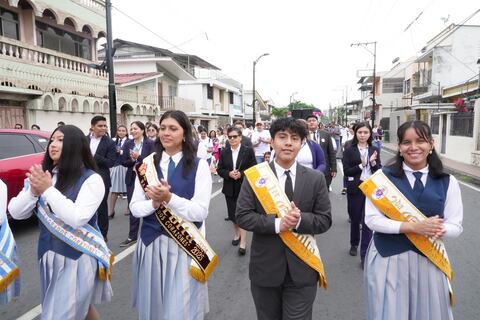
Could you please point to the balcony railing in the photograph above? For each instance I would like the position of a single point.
(23, 52)
(419, 90)
(176, 103)
(94, 5)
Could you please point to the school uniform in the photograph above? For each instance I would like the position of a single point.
(68, 278)
(162, 286)
(118, 172)
(145, 149)
(400, 282)
(355, 175)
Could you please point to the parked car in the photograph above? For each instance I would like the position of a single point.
(19, 150)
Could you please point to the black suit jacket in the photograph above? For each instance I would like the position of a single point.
(270, 257)
(147, 148)
(105, 157)
(246, 159)
(325, 140)
(351, 161)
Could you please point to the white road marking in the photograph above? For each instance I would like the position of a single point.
(35, 312)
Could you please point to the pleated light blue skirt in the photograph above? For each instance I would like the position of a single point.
(406, 286)
(162, 286)
(13, 290)
(117, 176)
(70, 286)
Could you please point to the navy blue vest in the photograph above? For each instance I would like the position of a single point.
(430, 202)
(48, 241)
(181, 186)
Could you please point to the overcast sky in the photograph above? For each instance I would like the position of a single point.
(308, 41)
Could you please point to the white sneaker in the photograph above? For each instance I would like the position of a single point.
(329, 188)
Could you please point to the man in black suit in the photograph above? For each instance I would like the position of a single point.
(104, 152)
(323, 138)
(283, 286)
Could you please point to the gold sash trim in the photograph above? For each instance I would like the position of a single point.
(393, 204)
(274, 201)
(185, 233)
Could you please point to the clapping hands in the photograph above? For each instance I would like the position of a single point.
(290, 220)
(159, 193)
(40, 180)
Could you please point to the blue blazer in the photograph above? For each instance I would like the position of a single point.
(351, 161)
(147, 149)
(319, 163)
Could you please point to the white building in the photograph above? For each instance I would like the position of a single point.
(46, 47)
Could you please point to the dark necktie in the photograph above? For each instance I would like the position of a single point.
(171, 169)
(288, 186)
(418, 185)
(315, 136)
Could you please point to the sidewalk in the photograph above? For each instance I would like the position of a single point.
(464, 172)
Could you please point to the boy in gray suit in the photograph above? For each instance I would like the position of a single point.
(282, 285)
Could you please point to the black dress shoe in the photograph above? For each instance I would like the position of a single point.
(235, 242)
(242, 251)
(353, 250)
(344, 191)
(112, 216)
(128, 242)
(227, 219)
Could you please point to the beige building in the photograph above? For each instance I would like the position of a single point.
(47, 52)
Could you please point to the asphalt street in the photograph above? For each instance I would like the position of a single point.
(229, 287)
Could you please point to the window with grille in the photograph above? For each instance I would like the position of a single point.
(209, 92)
(9, 24)
(461, 124)
(392, 85)
(435, 124)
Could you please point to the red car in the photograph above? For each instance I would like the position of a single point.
(19, 150)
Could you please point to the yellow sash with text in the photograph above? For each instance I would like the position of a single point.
(394, 205)
(274, 201)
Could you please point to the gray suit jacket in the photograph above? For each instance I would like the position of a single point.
(269, 256)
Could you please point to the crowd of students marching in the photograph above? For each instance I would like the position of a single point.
(166, 171)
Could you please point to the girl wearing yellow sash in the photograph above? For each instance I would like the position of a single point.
(67, 185)
(400, 282)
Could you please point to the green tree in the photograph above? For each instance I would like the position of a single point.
(297, 105)
(279, 112)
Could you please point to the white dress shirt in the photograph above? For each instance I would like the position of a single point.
(94, 142)
(195, 209)
(3, 202)
(75, 214)
(453, 211)
(282, 177)
(235, 153)
(304, 156)
(263, 146)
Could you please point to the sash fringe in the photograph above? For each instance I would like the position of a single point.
(9, 278)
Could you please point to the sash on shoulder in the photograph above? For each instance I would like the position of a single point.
(86, 239)
(8, 270)
(186, 234)
(274, 201)
(394, 205)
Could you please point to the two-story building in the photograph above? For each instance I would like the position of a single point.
(47, 48)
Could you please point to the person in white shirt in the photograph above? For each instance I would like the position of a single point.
(260, 141)
(207, 143)
(400, 282)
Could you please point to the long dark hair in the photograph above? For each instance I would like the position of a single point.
(75, 157)
(361, 125)
(188, 146)
(117, 138)
(435, 166)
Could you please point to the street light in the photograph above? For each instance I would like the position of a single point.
(374, 53)
(292, 96)
(253, 93)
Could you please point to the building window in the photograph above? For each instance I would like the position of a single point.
(172, 91)
(406, 86)
(9, 24)
(435, 124)
(230, 98)
(461, 124)
(392, 85)
(209, 92)
(63, 41)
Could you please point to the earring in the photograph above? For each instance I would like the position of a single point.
(431, 151)
(183, 139)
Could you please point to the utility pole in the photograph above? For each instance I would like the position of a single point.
(112, 99)
(374, 53)
(254, 95)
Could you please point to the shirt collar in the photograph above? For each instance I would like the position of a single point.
(280, 170)
(407, 168)
(176, 157)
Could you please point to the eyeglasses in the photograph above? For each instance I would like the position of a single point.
(232, 137)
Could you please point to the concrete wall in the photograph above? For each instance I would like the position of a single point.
(195, 92)
(135, 67)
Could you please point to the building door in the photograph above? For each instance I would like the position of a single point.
(444, 133)
(10, 115)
